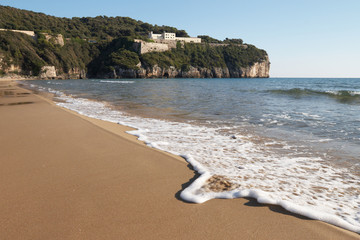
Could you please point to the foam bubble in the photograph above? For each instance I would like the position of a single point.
(112, 81)
(246, 166)
(342, 92)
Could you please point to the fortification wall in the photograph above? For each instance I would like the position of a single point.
(30, 33)
(188, 39)
(227, 44)
(58, 39)
(170, 43)
(145, 47)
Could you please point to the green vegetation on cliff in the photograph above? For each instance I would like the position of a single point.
(205, 56)
(98, 28)
(101, 44)
(230, 55)
(30, 55)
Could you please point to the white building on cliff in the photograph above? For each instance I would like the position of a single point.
(172, 37)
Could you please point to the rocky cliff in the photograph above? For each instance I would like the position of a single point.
(46, 72)
(74, 73)
(257, 70)
(116, 47)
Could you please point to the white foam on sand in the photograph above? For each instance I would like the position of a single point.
(300, 183)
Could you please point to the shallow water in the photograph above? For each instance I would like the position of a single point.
(291, 142)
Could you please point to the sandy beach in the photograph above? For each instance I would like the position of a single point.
(64, 176)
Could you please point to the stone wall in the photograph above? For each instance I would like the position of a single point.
(145, 47)
(159, 45)
(188, 39)
(58, 39)
(171, 44)
(30, 33)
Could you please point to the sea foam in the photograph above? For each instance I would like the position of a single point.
(234, 165)
(115, 81)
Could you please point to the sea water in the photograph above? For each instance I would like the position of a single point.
(290, 142)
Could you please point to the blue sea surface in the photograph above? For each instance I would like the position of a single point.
(294, 142)
(325, 111)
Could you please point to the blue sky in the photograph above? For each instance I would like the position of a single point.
(318, 38)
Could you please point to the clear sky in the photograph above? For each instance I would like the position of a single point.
(304, 38)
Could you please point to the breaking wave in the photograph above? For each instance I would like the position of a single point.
(235, 163)
(342, 96)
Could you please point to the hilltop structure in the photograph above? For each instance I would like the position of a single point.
(110, 50)
(162, 42)
(172, 37)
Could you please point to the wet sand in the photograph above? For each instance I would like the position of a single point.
(64, 176)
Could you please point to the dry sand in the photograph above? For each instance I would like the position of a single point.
(64, 177)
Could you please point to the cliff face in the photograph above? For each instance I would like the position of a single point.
(46, 72)
(257, 70)
(74, 73)
(57, 39)
(110, 50)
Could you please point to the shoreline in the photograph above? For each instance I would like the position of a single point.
(110, 180)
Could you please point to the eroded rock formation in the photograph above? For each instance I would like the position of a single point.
(257, 70)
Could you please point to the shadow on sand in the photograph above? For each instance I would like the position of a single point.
(188, 183)
(252, 202)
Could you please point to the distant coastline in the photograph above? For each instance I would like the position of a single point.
(49, 47)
